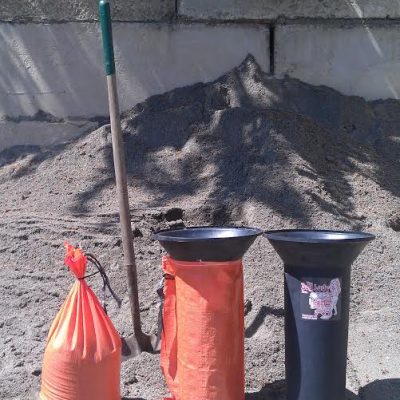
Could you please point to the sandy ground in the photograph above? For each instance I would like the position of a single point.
(246, 149)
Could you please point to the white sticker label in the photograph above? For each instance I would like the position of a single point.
(321, 299)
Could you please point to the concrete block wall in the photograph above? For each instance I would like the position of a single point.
(270, 10)
(362, 60)
(204, 10)
(51, 56)
(58, 68)
(84, 10)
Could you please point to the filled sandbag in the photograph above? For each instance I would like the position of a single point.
(82, 359)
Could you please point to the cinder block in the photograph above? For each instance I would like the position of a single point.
(361, 60)
(40, 133)
(84, 10)
(58, 68)
(272, 9)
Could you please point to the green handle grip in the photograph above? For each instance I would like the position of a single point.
(106, 31)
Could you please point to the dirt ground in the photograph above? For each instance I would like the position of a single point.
(246, 149)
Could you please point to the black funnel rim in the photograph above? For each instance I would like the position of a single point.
(318, 236)
(207, 243)
(203, 233)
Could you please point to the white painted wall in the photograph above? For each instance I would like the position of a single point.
(361, 60)
(58, 68)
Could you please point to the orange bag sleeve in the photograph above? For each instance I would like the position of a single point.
(206, 354)
(168, 356)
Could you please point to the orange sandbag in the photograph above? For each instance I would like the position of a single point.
(83, 354)
(202, 349)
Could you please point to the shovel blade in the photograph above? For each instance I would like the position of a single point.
(132, 347)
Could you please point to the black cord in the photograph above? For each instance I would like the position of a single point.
(106, 281)
(88, 276)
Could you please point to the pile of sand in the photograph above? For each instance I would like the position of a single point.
(246, 149)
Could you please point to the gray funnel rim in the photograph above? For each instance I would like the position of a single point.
(318, 248)
(207, 243)
(199, 233)
(318, 236)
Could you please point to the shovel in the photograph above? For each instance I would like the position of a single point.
(139, 342)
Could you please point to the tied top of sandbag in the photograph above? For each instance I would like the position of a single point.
(76, 260)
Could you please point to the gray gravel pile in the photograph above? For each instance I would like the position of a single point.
(246, 149)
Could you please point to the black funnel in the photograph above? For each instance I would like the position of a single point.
(317, 301)
(207, 243)
(317, 247)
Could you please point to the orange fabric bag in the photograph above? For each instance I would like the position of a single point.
(82, 359)
(202, 350)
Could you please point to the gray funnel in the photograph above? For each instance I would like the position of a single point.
(207, 243)
(318, 248)
(317, 302)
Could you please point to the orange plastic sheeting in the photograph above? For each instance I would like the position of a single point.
(83, 354)
(202, 350)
